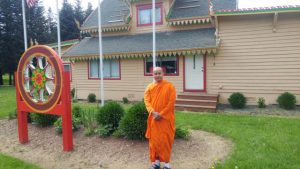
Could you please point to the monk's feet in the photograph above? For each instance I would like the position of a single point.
(154, 166)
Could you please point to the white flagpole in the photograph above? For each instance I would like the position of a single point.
(58, 30)
(100, 54)
(24, 25)
(154, 36)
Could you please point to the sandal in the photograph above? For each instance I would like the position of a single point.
(154, 166)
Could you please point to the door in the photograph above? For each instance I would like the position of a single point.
(194, 73)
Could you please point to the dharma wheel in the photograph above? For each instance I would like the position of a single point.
(39, 78)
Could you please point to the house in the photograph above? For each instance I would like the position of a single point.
(207, 48)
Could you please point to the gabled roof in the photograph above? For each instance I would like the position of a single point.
(140, 45)
(224, 5)
(113, 13)
(189, 8)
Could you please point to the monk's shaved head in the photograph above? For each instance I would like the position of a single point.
(158, 74)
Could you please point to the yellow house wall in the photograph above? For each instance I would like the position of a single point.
(254, 60)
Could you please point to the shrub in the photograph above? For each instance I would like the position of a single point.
(110, 114)
(287, 101)
(237, 100)
(58, 125)
(43, 120)
(182, 133)
(12, 114)
(261, 102)
(88, 119)
(118, 133)
(104, 131)
(134, 123)
(125, 100)
(73, 93)
(91, 98)
(76, 111)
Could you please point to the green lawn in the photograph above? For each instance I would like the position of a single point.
(260, 142)
(7, 162)
(7, 100)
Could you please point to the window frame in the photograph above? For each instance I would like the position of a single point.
(106, 78)
(149, 6)
(70, 65)
(165, 74)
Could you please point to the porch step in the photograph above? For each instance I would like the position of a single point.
(196, 102)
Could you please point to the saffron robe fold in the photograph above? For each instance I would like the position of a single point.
(160, 97)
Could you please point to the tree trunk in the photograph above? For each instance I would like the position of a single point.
(1, 78)
(10, 78)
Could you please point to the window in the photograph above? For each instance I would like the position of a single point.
(144, 14)
(67, 68)
(169, 65)
(111, 69)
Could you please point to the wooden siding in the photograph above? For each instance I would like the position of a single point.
(132, 83)
(255, 60)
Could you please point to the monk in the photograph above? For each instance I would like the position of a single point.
(159, 99)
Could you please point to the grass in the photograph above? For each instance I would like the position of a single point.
(7, 162)
(260, 142)
(7, 100)
(5, 79)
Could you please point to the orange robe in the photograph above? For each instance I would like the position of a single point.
(160, 97)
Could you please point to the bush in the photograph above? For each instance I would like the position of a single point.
(91, 98)
(134, 123)
(58, 125)
(261, 102)
(287, 101)
(43, 120)
(76, 111)
(237, 100)
(125, 100)
(73, 93)
(110, 114)
(104, 131)
(88, 119)
(13, 114)
(182, 133)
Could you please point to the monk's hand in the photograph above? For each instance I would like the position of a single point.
(156, 115)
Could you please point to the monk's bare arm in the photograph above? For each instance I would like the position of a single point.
(147, 100)
(170, 104)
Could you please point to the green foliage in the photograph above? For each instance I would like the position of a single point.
(58, 125)
(118, 134)
(7, 101)
(88, 119)
(261, 102)
(12, 114)
(125, 100)
(43, 120)
(237, 100)
(134, 123)
(182, 133)
(287, 101)
(91, 98)
(73, 93)
(110, 114)
(104, 131)
(76, 111)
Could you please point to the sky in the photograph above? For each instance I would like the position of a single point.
(242, 3)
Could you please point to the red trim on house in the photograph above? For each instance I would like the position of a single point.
(174, 74)
(70, 70)
(148, 6)
(204, 76)
(95, 78)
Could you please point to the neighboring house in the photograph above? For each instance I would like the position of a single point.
(206, 47)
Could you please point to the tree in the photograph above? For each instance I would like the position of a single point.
(69, 30)
(89, 10)
(51, 27)
(78, 12)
